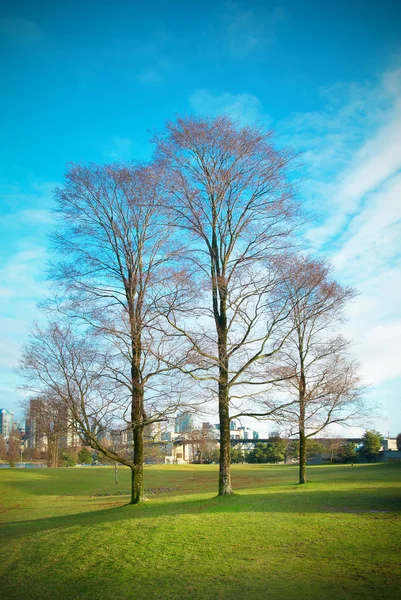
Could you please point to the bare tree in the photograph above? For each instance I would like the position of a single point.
(228, 191)
(14, 446)
(47, 417)
(202, 442)
(68, 365)
(315, 370)
(116, 242)
(333, 445)
(3, 448)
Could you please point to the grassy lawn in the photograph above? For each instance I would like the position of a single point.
(338, 536)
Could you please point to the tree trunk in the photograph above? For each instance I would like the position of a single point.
(51, 452)
(302, 409)
(302, 456)
(137, 488)
(225, 488)
(302, 441)
(219, 297)
(137, 418)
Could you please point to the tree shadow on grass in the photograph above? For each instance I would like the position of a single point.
(376, 502)
(252, 581)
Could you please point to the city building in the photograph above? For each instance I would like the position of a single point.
(389, 444)
(153, 431)
(6, 422)
(52, 424)
(118, 438)
(183, 422)
(70, 438)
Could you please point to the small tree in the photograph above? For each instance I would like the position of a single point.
(85, 456)
(333, 446)
(202, 442)
(47, 421)
(258, 454)
(313, 448)
(273, 451)
(154, 452)
(371, 444)
(103, 459)
(69, 458)
(348, 452)
(212, 456)
(237, 456)
(14, 447)
(3, 448)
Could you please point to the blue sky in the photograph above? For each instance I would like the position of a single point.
(86, 81)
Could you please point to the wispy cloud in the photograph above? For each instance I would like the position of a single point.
(245, 107)
(157, 67)
(120, 148)
(21, 31)
(247, 30)
(353, 159)
(23, 279)
(151, 75)
(25, 222)
(350, 147)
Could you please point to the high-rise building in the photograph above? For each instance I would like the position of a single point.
(153, 432)
(233, 425)
(183, 422)
(6, 422)
(255, 435)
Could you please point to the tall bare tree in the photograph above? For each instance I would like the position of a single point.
(70, 365)
(201, 441)
(315, 370)
(47, 416)
(228, 190)
(14, 446)
(3, 448)
(116, 246)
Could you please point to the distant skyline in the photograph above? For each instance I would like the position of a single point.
(89, 81)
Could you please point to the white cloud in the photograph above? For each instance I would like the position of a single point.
(350, 148)
(245, 107)
(353, 158)
(24, 284)
(33, 216)
(378, 159)
(375, 231)
(23, 229)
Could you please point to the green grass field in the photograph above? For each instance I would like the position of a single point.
(338, 536)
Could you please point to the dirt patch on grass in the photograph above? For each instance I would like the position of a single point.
(158, 490)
